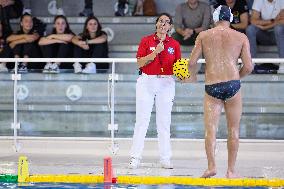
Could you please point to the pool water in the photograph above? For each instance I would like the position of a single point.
(112, 186)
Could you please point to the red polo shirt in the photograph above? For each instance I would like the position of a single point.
(163, 63)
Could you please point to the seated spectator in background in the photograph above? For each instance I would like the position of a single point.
(131, 7)
(239, 9)
(5, 50)
(91, 43)
(27, 7)
(10, 9)
(24, 43)
(145, 8)
(58, 44)
(249, 2)
(191, 18)
(267, 28)
(121, 8)
(138, 8)
(88, 10)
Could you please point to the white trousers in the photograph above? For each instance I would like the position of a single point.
(150, 89)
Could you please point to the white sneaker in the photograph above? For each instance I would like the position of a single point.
(54, 68)
(166, 164)
(22, 68)
(27, 11)
(60, 11)
(47, 68)
(3, 68)
(77, 67)
(281, 69)
(134, 163)
(90, 68)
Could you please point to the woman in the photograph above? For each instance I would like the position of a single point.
(92, 43)
(58, 44)
(240, 12)
(24, 43)
(5, 50)
(155, 57)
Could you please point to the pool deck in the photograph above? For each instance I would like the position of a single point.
(256, 158)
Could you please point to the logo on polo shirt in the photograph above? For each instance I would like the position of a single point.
(152, 48)
(171, 50)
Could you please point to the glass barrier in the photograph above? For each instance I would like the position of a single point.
(64, 105)
(79, 105)
(6, 104)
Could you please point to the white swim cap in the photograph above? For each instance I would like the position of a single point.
(223, 13)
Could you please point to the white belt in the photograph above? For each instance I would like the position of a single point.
(157, 76)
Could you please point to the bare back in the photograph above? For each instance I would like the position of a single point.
(221, 48)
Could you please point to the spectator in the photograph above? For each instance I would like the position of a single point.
(59, 5)
(88, 10)
(139, 8)
(5, 51)
(10, 9)
(212, 2)
(24, 42)
(240, 11)
(191, 18)
(91, 43)
(57, 44)
(249, 2)
(267, 28)
(27, 7)
(145, 8)
(121, 8)
(131, 7)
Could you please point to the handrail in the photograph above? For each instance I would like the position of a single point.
(68, 60)
(15, 124)
(118, 60)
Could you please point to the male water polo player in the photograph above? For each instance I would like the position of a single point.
(221, 47)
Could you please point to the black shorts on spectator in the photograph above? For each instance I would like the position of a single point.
(30, 50)
(58, 50)
(88, 9)
(6, 52)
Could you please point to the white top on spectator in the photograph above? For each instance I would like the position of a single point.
(268, 10)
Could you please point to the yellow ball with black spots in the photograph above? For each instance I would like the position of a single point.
(180, 69)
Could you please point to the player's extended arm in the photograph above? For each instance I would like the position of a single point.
(246, 59)
(196, 51)
(194, 56)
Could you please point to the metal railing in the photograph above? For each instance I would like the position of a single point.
(16, 76)
(111, 92)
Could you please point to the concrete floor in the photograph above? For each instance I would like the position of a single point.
(256, 158)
